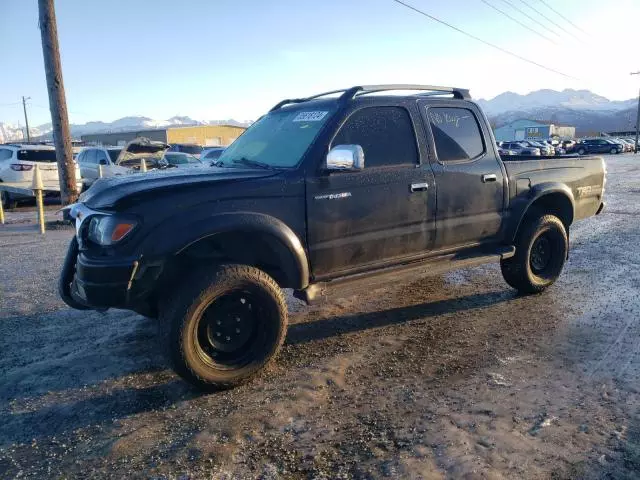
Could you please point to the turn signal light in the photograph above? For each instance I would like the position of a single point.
(121, 230)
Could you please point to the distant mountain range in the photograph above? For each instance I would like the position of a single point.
(588, 112)
(13, 133)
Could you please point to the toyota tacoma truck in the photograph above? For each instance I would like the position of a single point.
(322, 195)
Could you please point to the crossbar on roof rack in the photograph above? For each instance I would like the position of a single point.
(351, 93)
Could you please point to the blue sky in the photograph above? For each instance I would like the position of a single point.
(220, 59)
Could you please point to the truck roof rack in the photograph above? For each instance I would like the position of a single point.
(352, 92)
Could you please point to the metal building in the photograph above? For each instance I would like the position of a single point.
(532, 130)
(205, 135)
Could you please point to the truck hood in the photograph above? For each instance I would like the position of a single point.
(105, 192)
(141, 148)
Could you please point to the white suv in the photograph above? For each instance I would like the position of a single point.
(16, 170)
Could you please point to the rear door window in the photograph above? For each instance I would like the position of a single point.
(456, 133)
(385, 134)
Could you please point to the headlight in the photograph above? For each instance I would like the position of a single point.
(107, 229)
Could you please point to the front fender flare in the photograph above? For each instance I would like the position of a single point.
(241, 222)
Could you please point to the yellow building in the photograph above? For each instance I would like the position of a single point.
(205, 135)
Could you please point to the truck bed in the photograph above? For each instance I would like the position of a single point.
(584, 176)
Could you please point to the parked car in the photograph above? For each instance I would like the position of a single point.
(91, 159)
(560, 151)
(181, 160)
(627, 144)
(521, 149)
(117, 161)
(597, 145)
(544, 148)
(322, 196)
(190, 148)
(568, 145)
(504, 151)
(631, 142)
(556, 148)
(17, 162)
(210, 156)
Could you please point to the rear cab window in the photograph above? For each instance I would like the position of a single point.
(385, 134)
(456, 134)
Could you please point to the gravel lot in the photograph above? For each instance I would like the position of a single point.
(449, 376)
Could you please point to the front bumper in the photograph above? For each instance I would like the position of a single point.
(99, 283)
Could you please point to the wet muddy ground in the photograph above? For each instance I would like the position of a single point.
(444, 377)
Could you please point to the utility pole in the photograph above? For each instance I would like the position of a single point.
(26, 121)
(57, 102)
(638, 117)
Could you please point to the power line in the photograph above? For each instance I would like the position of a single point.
(547, 18)
(562, 16)
(519, 57)
(529, 16)
(518, 21)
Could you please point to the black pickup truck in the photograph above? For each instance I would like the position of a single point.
(320, 195)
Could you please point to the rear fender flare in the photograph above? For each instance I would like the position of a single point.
(523, 206)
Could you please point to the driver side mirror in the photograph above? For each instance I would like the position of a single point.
(345, 157)
(103, 162)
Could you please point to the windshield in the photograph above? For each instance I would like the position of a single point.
(279, 139)
(180, 159)
(113, 153)
(192, 149)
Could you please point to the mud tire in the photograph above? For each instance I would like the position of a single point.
(194, 323)
(541, 250)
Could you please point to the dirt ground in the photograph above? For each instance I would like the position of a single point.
(453, 376)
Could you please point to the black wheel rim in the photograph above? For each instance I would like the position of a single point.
(228, 328)
(541, 253)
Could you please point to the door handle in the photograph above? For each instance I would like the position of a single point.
(489, 177)
(419, 187)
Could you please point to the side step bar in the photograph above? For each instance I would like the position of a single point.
(344, 286)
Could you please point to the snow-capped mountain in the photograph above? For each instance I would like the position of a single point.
(566, 99)
(588, 112)
(12, 133)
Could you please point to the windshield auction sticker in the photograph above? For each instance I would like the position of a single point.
(310, 116)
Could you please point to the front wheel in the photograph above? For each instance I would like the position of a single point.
(581, 151)
(223, 326)
(614, 151)
(541, 250)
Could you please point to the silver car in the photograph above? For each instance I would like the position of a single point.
(521, 149)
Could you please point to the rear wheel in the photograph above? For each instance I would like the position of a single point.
(541, 250)
(224, 326)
